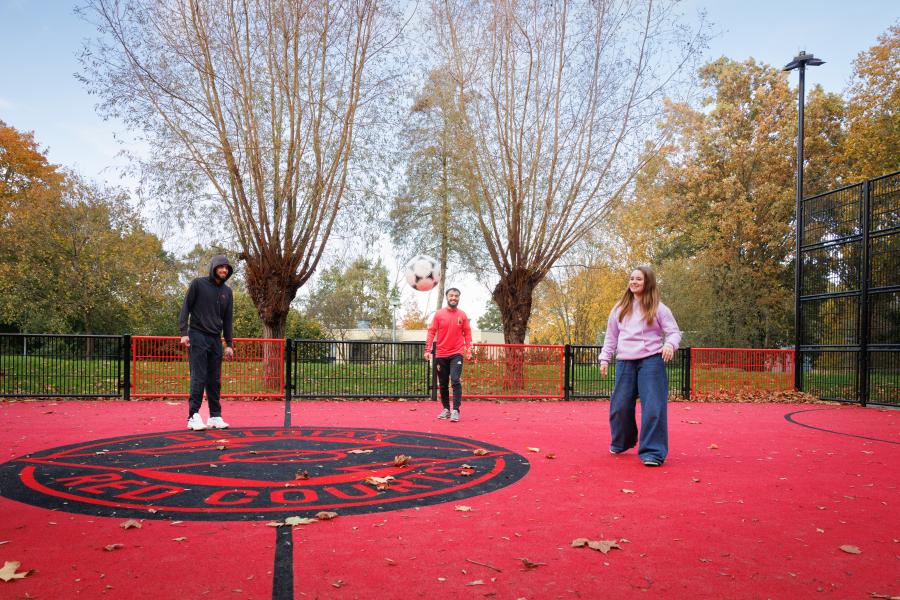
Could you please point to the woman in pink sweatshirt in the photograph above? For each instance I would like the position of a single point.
(643, 335)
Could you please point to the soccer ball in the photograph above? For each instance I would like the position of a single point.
(423, 272)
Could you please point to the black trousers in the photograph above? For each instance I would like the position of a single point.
(449, 372)
(205, 358)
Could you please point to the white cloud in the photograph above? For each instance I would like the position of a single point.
(6, 104)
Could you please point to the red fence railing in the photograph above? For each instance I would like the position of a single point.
(159, 367)
(514, 371)
(716, 370)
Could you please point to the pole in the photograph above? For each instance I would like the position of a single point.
(798, 260)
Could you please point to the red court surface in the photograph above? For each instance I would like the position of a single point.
(749, 504)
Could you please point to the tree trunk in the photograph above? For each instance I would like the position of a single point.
(445, 232)
(265, 279)
(513, 296)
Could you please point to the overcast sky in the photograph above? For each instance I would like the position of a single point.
(40, 39)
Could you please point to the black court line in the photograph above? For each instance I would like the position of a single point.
(283, 570)
(790, 419)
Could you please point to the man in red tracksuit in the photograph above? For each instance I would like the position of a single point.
(450, 326)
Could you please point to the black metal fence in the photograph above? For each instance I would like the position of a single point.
(849, 296)
(357, 369)
(62, 365)
(583, 379)
(46, 365)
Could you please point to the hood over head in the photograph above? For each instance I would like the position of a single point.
(216, 262)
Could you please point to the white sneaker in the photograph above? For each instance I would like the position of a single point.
(454, 416)
(445, 414)
(216, 423)
(196, 423)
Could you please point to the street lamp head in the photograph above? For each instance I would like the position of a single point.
(802, 60)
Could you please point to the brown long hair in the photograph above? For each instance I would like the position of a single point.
(649, 297)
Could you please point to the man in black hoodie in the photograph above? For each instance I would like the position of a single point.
(209, 305)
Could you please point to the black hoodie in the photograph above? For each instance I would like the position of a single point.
(209, 304)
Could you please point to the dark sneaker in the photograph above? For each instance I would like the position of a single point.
(651, 462)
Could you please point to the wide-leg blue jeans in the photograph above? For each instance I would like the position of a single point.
(645, 378)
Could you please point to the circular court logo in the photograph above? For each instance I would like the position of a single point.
(259, 473)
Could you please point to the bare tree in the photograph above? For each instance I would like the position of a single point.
(250, 106)
(559, 99)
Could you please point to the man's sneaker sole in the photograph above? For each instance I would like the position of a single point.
(651, 463)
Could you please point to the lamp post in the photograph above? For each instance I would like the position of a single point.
(395, 304)
(800, 62)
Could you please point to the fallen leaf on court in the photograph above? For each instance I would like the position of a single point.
(713, 446)
(391, 562)
(627, 491)
(4, 542)
(530, 449)
(326, 515)
(851, 549)
(476, 582)
(361, 452)
(551, 455)
(130, 523)
(401, 460)
(301, 474)
(220, 447)
(174, 403)
(462, 508)
(695, 479)
(465, 472)
(380, 483)
(531, 565)
(274, 524)
(111, 547)
(221, 441)
(179, 539)
(479, 451)
(338, 583)
(299, 521)
(8, 572)
(603, 546)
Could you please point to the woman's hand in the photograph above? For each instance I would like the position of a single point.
(667, 352)
(604, 369)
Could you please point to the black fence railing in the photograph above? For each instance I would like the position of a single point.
(49, 365)
(357, 369)
(849, 297)
(584, 381)
(45, 365)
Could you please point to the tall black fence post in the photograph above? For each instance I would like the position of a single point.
(686, 373)
(567, 366)
(288, 362)
(862, 379)
(433, 371)
(126, 366)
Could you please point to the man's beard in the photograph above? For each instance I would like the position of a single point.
(452, 303)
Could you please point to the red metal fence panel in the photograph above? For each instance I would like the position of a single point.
(159, 367)
(514, 371)
(715, 370)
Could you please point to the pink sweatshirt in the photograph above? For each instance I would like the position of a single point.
(633, 338)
